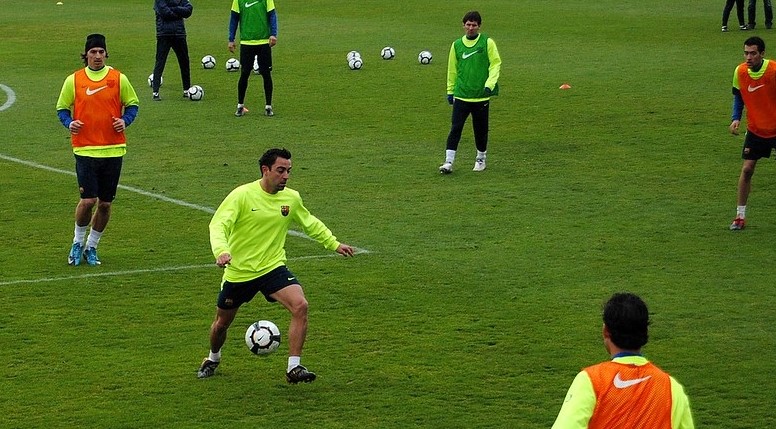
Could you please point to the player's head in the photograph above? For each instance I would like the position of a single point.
(95, 51)
(270, 156)
(756, 41)
(275, 166)
(626, 319)
(472, 16)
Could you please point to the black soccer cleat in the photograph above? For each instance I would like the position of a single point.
(300, 374)
(207, 369)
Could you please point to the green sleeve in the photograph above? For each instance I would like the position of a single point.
(452, 69)
(67, 94)
(494, 70)
(128, 94)
(681, 417)
(222, 224)
(736, 85)
(315, 229)
(579, 404)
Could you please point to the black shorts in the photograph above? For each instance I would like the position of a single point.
(262, 54)
(756, 147)
(98, 177)
(233, 295)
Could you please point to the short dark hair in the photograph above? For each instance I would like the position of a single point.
(472, 15)
(627, 318)
(756, 41)
(272, 155)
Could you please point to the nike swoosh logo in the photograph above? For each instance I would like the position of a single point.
(253, 210)
(466, 55)
(754, 88)
(250, 4)
(622, 384)
(90, 91)
(291, 278)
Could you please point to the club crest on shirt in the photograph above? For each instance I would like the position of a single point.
(284, 210)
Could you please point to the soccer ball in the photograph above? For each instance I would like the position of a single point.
(151, 80)
(424, 57)
(196, 93)
(355, 63)
(353, 54)
(232, 64)
(262, 337)
(387, 53)
(208, 62)
(256, 65)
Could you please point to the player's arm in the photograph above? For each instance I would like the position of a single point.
(578, 406)
(494, 69)
(129, 100)
(681, 416)
(234, 21)
(314, 228)
(184, 10)
(222, 224)
(738, 105)
(452, 70)
(65, 101)
(164, 10)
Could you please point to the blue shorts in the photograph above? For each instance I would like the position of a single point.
(98, 177)
(233, 295)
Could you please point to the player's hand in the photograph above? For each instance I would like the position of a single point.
(450, 99)
(75, 126)
(230, 46)
(223, 259)
(273, 40)
(734, 127)
(345, 250)
(119, 125)
(488, 91)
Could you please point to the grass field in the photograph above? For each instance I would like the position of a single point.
(479, 298)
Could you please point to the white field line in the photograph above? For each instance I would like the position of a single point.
(151, 195)
(11, 97)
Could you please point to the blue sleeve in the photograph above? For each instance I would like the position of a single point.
(130, 112)
(234, 20)
(273, 23)
(738, 105)
(65, 117)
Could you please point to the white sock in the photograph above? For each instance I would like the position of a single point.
(482, 155)
(449, 156)
(79, 233)
(741, 211)
(293, 362)
(239, 105)
(267, 106)
(94, 239)
(214, 357)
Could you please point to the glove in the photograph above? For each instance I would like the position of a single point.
(487, 91)
(450, 99)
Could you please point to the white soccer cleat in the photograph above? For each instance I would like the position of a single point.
(479, 165)
(446, 168)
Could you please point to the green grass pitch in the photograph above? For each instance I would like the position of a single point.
(479, 298)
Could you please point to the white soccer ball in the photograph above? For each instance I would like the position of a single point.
(353, 54)
(151, 80)
(424, 57)
(196, 93)
(208, 61)
(355, 63)
(232, 64)
(387, 53)
(262, 337)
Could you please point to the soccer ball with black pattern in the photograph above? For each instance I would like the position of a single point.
(208, 61)
(232, 65)
(424, 57)
(195, 93)
(387, 53)
(262, 337)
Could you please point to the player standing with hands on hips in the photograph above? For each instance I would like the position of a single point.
(97, 103)
(628, 391)
(473, 69)
(247, 236)
(754, 87)
(258, 24)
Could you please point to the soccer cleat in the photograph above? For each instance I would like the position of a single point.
(743, 27)
(268, 111)
(446, 168)
(751, 26)
(207, 369)
(479, 165)
(186, 94)
(157, 97)
(724, 29)
(240, 111)
(74, 258)
(91, 256)
(738, 224)
(300, 374)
